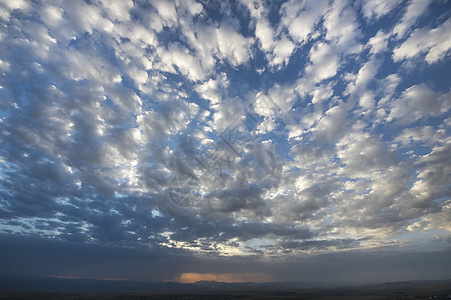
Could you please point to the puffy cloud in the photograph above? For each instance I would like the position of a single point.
(212, 88)
(434, 42)
(418, 102)
(118, 10)
(432, 177)
(378, 43)
(277, 46)
(366, 73)
(232, 46)
(424, 135)
(167, 12)
(52, 15)
(362, 154)
(324, 62)
(9, 6)
(265, 34)
(342, 27)
(330, 126)
(378, 8)
(300, 17)
(414, 10)
(179, 57)
(86, 18)
(282, 52)
(322, 93)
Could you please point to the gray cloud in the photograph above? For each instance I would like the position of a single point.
(35, 256)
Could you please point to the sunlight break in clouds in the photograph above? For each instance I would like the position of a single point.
(225, 140)
(194, 277)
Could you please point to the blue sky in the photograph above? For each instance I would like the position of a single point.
(227, 140)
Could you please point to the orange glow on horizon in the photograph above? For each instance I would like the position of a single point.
(238, 277)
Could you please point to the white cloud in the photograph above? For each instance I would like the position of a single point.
(414, 10)
(300, 17)
(282, 52)
(367, 100)
(277, 47)
(138, 35)
(118, 10)
(139, 76)
(434, 170)
(324, 62)
(86, 18)
(363, 154)
(191, 7)
(365, 75)
(378, 8)
(265, 105)
(434, 42)
(232, 46)
(342, 27)
(187, 64)
(378, 43)
(265, 35)
(212, 89)
(204, 40)
(330, 127)
(425, 135)
(166, 10)
(418, 102)
(51, 15)
(226, 113)
(322, 93)
(16, 4)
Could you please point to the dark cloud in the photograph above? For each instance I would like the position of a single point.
(36, 256)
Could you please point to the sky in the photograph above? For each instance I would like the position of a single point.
(241, 140)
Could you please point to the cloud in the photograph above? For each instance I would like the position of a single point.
(342, 27)
(414, 10)
(379, 42)
(282, 52)
(232, 45)
(167, 12)
(94, 261)
(213, 88)
(424, 40)
(366, 73)
(375, 9)
(329, 127)
(117, 11)
(432, 176)
(418, 102)
(301, 17)
(186, 64)
(362, 154)
(324, 62)
(9, 6)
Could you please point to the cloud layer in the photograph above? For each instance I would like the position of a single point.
(266, 129)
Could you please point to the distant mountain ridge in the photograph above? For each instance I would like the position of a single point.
(57, 284)
(54, 284)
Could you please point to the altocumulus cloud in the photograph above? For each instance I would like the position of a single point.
(274, 140)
